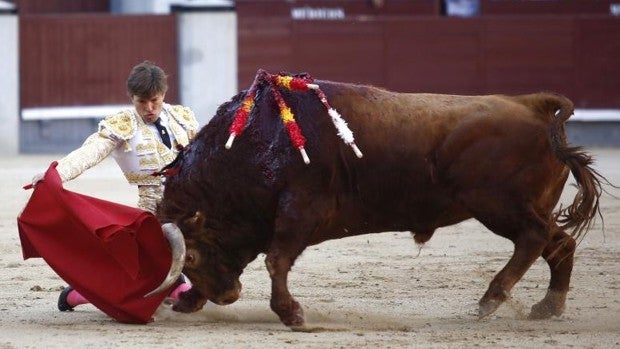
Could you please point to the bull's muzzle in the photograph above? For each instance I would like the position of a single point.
(177, 245)
(229, 296)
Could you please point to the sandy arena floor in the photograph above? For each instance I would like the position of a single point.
(375, 291)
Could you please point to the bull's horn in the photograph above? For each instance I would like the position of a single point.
(177, 245)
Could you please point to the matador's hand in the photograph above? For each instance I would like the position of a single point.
(37, 178)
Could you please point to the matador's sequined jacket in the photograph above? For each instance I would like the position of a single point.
(135, 146)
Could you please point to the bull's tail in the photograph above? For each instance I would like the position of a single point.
(578, 217)
(581, 213)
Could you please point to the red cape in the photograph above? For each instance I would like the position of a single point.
(112, 254)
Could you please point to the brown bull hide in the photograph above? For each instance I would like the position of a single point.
(429, 161)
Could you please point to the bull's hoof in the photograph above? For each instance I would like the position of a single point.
(542, 310)
(296, 318)
(293, 317)
(552, 305)
(487, 308)
(488, 305)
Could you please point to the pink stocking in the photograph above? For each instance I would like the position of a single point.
(75, 299)
(181, 288)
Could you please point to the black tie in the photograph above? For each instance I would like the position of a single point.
(162, 132)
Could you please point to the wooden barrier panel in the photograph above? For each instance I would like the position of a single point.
(84, 59)
(538, 7)
(68, 60)
(597, 57)
(573, 55)
(335, 9)
(443, 55)
(61, 6)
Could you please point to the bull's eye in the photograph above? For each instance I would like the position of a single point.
(191, 258)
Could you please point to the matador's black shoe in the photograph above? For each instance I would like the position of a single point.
(63, 305)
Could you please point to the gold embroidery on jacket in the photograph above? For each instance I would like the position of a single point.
(149, 163)
(146, 148)
(142, 179)
(123, 125)
(183, 117)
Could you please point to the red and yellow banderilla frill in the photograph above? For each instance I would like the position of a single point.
(286, 115)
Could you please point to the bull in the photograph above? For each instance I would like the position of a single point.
(429, 161)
